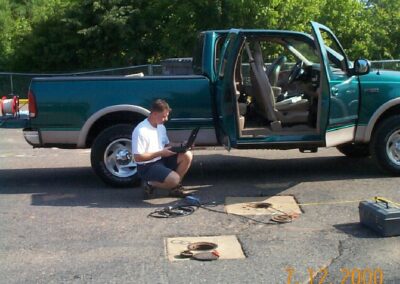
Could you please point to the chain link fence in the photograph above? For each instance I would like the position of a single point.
(386, 64)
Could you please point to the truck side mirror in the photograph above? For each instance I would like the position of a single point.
(361, 66)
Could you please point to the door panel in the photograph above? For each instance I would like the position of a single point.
(343, 90)
(224, 99)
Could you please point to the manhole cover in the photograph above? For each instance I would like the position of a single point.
(261, 205)
(228, 247)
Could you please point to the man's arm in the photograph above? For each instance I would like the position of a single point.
(149, 156)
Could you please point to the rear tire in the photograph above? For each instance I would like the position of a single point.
(385, 147)
(354, 150)
(111, 156)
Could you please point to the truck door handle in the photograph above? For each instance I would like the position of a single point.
(335, 91)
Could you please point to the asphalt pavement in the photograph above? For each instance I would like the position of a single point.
(60, 224)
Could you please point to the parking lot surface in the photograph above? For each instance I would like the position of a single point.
(60, 224)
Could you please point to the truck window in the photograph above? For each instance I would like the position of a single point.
(307, 50)
(224, 51)
(272, 50)
(337, 59)
(218, 49)
(198, 55)
(276, 48)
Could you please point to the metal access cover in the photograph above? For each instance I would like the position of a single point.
(228, 247)
(261, 205)
(202, 246)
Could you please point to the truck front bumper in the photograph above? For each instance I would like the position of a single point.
(32, 137)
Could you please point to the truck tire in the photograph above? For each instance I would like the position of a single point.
(111, 156)
(385, 147)
(354, 150)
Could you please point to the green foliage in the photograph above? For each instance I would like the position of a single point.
(66, 35)
(386, 30)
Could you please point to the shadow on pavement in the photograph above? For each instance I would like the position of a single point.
(357, 230)
(213, 177)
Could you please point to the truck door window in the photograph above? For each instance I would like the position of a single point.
(218, 50)
(198, 56)
(337, 59)
(225, 51)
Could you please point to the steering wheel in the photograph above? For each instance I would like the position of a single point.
(296, 71)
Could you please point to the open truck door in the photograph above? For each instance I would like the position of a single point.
(224, 101)
(339, 88)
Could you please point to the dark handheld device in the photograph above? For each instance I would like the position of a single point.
(189, 143)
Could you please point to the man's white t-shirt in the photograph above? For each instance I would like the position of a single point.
(149, 139)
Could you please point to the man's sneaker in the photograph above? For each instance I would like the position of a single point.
(148, 190)
(179, 192)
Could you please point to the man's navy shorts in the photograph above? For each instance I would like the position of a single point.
(158, 170)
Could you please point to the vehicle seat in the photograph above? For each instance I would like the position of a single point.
(293, 103)
(286, 112)
(241, 107)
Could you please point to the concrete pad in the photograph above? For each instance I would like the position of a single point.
(228, 246)
(242, 205)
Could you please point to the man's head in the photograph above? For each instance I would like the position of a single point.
(159, 111)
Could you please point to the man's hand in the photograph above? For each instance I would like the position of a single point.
(166, 152)
(181, 144)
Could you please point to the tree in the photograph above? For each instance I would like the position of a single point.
(66, 35)
(347, 20)
(385, 30)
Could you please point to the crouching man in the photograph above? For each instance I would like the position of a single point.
(157, 166)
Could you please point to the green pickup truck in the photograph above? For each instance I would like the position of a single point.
(250, 89)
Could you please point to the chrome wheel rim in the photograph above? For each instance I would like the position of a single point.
(393, 147)
(118, 158)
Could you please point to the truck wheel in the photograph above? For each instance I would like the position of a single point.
(385, 147)
(354, 150)
(111, 156)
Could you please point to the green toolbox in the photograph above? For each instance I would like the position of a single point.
(381, 215)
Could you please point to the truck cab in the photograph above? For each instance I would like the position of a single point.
(307, 97)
